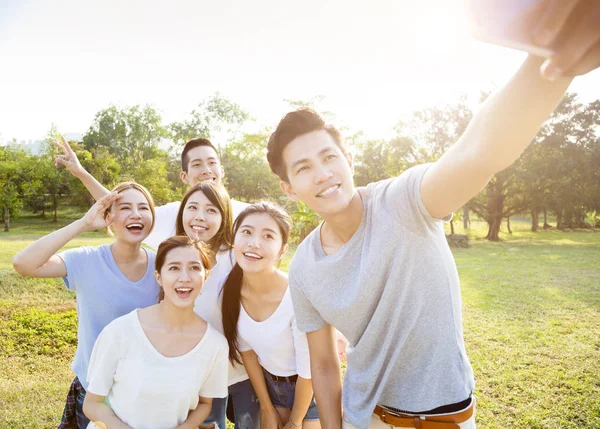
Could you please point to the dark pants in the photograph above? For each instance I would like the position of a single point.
(73, 417)
(245, 407)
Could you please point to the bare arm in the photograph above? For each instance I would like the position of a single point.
(269, 418)
(71, 162)
(326, 376)
(96, 410)
(39, 259)
(200, 413)
(496, 136)
(302, 398)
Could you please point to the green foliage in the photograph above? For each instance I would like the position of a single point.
(130, 134)
(248, 176)
(217, 113)
(34, 331)
(304, 221)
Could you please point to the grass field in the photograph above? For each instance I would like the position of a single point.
(531, 307)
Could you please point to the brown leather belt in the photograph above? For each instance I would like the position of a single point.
(447, 421)
(277, 378)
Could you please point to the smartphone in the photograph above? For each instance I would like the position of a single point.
(507, 23)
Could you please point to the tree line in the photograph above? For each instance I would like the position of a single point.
(558, 174)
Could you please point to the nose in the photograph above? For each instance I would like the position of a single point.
(184, 276)
(322, 174)
(253, 241)
(135, 213)
(200, 215)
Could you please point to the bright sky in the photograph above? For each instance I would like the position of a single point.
(375, 61)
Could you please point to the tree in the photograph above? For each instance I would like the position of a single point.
(217, 113)
(12, 163)
(130, 134)
(247, 173)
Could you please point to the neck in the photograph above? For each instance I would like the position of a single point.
(340, 227)
(125, 252)
(175, 318)
(260, 282)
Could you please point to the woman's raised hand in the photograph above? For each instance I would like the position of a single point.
(68, 158)
(97, 216)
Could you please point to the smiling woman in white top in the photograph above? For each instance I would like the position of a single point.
(259, 321)
(160, 367)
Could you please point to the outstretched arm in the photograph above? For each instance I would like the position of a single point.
(71, 162)
(510, 119)
(39, 259)
(496, 136)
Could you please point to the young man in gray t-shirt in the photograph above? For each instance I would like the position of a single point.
(379, 269)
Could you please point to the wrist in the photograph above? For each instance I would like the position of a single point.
(81, 226)
(294, 425)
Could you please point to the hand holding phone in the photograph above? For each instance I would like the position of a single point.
(566, 32)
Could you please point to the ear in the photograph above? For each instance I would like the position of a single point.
(157, 277)
(283, 251)
(288, 190)
(350, 159)
(184, 177)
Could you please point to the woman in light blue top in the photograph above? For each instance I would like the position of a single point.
(109, 281)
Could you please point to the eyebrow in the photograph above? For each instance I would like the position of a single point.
(303, 160)
(201, 159)
(270, 230)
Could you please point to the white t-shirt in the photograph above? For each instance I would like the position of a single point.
(166, 219)
(147, 390)
(281, 347)
(208, 306)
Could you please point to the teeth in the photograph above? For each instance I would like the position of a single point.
(329, 191)
(199, 228)
(252, 255)
(183, 289)
(135, 225)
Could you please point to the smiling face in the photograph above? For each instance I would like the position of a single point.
(258, 243)
(132, 217)
(203, 165)
(319, 173)
(181, 276)
(201, 218)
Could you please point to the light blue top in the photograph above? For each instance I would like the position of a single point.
(103, 294)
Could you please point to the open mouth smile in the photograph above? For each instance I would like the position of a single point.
(183, 292)
(328, 191)
(252, 256)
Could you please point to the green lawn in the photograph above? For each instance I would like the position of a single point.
(531, 322)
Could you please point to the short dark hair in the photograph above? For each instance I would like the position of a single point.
(173, 243)
(185, 159)
(302, 121)
(219, 197)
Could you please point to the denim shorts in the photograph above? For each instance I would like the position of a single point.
(282, 396)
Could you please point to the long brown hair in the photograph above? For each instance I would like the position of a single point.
(219, 197)
(180, 241)
(232, 289)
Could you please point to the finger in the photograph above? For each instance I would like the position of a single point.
(66, 144)
(552, 21)
(590, 61)
(574, 48)
(60, 146)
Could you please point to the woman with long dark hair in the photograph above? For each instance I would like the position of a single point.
(259, 321)
(205, 215)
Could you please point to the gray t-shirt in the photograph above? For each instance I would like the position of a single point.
(393, 291)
